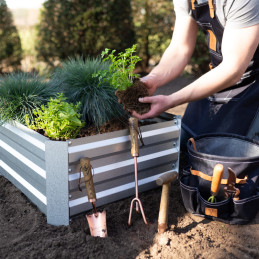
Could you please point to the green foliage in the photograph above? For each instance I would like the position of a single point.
(79, 27)
(28, 36)
(121, 71)
(59, 119)
(20, 94)
(153, 20)
(10, 44)
(75, 79)
(200, 59)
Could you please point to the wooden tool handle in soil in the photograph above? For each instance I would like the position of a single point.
(133, 127)
(163, 210)
(88, 178)
(165, 180)
(216, 179)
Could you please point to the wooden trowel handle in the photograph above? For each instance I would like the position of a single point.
(216, 179)
(133, 126)
(88, 178)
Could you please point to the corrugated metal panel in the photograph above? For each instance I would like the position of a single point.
(24, 171)
(11, 172)
(119, 168)
(81, 204)
(35, 142)
(23, 154)
(22, 163)
(112, 143)
(122, 179)
(114, 167)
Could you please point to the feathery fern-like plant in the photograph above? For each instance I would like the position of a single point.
(98, 101)
(20, 94)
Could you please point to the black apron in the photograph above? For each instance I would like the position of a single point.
(234, 109)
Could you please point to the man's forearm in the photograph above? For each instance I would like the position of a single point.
(210, 83)
(170, 67)
(177, 55)
(236, 58)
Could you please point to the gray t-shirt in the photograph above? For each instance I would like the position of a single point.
(234, 13)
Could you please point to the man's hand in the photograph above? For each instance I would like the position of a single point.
(159, 104)
(149, 82)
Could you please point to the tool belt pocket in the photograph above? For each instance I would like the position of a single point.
(236, 200)
(227, 210)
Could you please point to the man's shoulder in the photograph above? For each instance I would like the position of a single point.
(240, 14)
(181, 7)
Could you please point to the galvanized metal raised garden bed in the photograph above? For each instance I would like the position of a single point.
(48, 172)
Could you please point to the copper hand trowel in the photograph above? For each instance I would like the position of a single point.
(97, 220)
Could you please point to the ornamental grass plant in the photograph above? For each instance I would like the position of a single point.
(75, 78)
(20, 94)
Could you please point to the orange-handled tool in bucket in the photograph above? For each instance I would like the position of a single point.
(216, 182)
(97, 220)
(133, 126)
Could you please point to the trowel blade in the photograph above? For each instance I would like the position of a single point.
(97, 224)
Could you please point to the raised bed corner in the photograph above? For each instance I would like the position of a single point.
(48, 172)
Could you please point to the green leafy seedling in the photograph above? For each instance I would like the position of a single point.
(59, 119)
(120, 74)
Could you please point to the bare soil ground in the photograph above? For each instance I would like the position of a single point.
(24, 232)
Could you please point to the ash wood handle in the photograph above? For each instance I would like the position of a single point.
(166, 178)
(133, 127)
(163, 210)
(216, 179)
(166, 181)
(88, 178)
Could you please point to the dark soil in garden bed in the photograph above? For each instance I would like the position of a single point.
(24, 232)
(110, 126)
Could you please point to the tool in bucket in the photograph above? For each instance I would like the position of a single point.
(237, 199)
(216, 182)
(133, 126)
(230, 190)
(97, 220)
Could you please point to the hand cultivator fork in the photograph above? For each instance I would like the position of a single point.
(133, 125)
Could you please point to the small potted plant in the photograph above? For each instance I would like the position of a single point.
(121, 76)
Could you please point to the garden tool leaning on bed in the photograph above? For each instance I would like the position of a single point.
(97, 220)
(133, 126)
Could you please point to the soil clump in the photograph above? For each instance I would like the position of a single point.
(129, 97)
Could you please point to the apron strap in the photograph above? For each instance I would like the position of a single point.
(212, 10)
(193, 7)
(209, 178)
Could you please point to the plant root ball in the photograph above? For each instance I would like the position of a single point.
(130, 96)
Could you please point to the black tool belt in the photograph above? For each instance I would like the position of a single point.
(237, 199)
